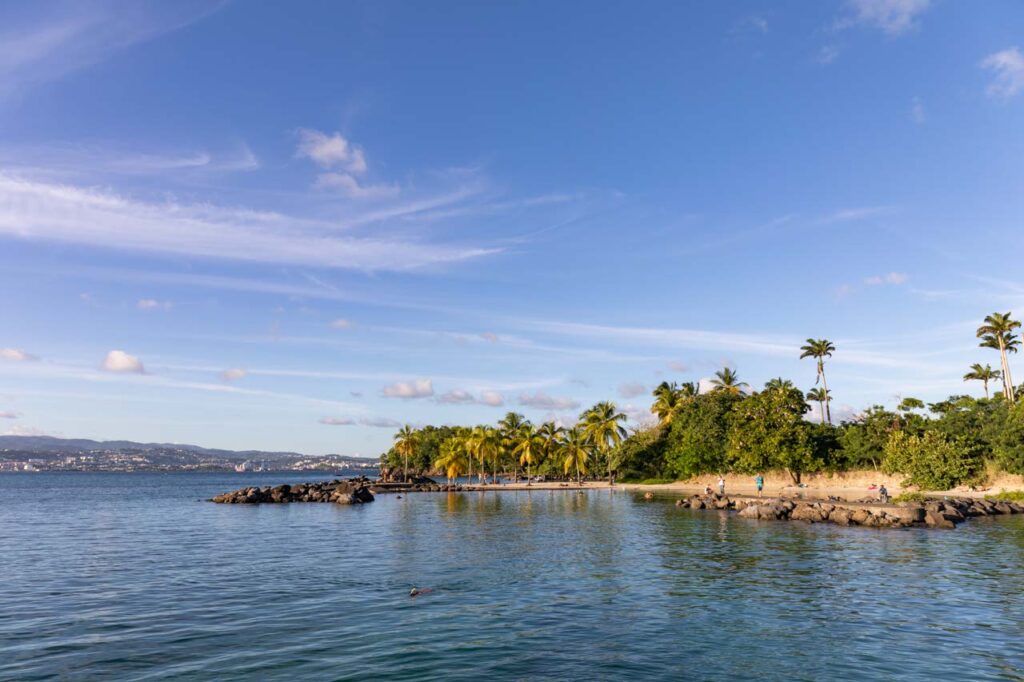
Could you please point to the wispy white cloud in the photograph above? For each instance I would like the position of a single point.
(1008, 69)
(47, 41)
(7, 414)
(330, 151)
(16, 355)
(677, 366)
(418, 388)
(351, 187)
(153, 304)
(53, 212)
(377, 422)
(894, 278)
(844, 215)
(489, 337)
(233, 374)
(341, 323)
(543, 401)
(827, 54)
(119, 361)
(894, 17)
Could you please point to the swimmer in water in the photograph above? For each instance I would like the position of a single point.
(415, 591)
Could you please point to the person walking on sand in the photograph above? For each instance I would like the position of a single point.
(721, 485)
(883, 494)
(759, 482)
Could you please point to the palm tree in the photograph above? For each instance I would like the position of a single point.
(820, 396)
(550, 435)
(727, 380)
(997, 333)
(528, 446)
(779, 384)
(479, 445)
(819, 349)
(405, 445)
(453, 459)
(984, 374)
(510, 429)
(576, 448)
(602, 424)
(668, 398)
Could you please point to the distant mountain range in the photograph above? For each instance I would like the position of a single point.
(68, 446)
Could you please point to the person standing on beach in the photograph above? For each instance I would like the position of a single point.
(721, 485)
(759, 482)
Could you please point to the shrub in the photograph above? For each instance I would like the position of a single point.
(910, 497)
(931, 460)
(1007, 496)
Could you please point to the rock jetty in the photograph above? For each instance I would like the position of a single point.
(355, 491)
(946, 513)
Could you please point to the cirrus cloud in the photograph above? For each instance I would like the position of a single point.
(16, 355)
(1008, 67)
(233, 374)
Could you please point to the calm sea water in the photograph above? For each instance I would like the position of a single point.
(132, 576)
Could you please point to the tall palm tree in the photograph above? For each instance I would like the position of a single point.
(819, 349)
(727, 380)
(984, 374)
(529, 445)
(510, 429)
(576, 447)
(820, 395)
(997, 333)
(602, 423)
(405, 445)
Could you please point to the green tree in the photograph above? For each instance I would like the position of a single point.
(1009, 441)
(727, 380)
(697, 439)
(768, 431)
(454, 459)
(668, 398)
(930, 460)
(997, 332)
(864, 437)
(819, 349)
(642, 455)
(984, 374)
(602, 423)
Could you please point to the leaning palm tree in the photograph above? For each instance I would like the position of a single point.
(997, 333)
(984, 374)
(820, 395)
(819, 349)
(405, 445)
(727, 380)
(479, 444)
(529, 446)
(602, 423)
(576, 447)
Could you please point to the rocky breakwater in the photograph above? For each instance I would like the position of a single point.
(354, 491)
(946, 513)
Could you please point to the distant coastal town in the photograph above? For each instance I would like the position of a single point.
(30, 455)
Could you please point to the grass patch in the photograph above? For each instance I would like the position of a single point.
(910, 497)
(1010, 496)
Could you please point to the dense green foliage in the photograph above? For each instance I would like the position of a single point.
(731, 428)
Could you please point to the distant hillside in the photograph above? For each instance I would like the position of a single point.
(50, 444)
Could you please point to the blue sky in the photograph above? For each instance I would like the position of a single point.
(296, 225)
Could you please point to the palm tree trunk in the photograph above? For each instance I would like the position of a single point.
(1007, 379)
(824, 384)
(821, 410)
(985, 382)
(406, 467)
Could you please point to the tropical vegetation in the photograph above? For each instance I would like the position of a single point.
(731, 428)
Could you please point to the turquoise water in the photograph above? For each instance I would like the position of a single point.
(132, 576)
